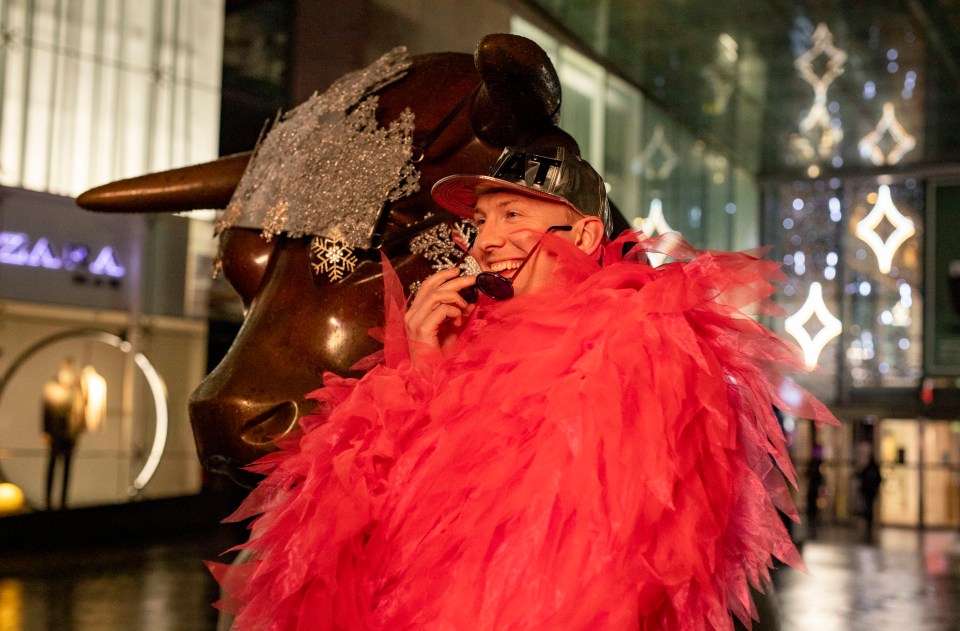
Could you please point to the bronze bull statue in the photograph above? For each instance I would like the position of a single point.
(299, 323)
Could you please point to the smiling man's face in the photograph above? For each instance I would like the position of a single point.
(510, 224)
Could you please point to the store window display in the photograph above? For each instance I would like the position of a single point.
(73, 403)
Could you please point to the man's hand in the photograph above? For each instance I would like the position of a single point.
(438, 313)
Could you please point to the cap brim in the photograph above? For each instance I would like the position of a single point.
(459, 193)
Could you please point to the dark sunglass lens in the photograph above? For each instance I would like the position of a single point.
(470, 294)
(497, 287)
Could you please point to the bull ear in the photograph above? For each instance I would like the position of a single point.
(207, 185)
(520, 95)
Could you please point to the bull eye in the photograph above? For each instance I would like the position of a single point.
(244, 255)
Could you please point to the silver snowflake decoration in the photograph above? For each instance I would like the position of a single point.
(437, 245)
(332, 257)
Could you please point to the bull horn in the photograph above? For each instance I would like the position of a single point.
(520, 95)
(207, 185)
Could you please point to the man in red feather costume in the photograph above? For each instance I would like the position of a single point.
(571, 439)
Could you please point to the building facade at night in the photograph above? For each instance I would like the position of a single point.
(824, 131)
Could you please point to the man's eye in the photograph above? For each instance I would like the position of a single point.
(512, 214)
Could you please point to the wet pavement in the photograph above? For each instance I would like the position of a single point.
(156, 586)
(898, 580)
(905, 580)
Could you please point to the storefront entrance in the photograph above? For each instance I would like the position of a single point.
(919, 462)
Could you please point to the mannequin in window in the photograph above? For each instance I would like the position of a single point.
(73, 402)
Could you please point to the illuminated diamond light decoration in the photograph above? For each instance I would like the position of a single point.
(658, 143)
(819, 139)
(721, 73)
(900, 315)
(902, 141)
(817, 124)
(818, 136)
(822, 45)
(654, 224)
(867, 229)
(722, 88)
(814, 306)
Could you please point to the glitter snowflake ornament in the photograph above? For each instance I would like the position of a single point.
(437, 244)
(332, 257)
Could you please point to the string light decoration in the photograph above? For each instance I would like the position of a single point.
(903, 142)
(817, 123)
(866, 229)
(658, 144)
(721, 73)
(795, 325)
(654, 224)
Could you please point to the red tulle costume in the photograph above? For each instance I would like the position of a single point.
(600, 455)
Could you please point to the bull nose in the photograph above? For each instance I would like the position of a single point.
(233, 431)
(270, 424)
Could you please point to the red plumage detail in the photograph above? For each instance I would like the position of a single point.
(602, 455)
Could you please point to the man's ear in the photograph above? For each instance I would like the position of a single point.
(589, 233)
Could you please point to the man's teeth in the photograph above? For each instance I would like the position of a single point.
(504, 265)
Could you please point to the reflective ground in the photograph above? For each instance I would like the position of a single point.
(902, 581)
(160, 586)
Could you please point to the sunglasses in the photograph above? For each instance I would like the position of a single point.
(495, 285)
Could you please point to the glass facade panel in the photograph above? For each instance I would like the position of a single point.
(576, 116)
(691, 221)
(882, 284)
(93, 92)
(657, 170)
(806, 235)
(916, 453)
(821, 456)
(660, 175)
(906, 470)
(583, 103)
(941, 474)
(37, 119)
(717, 195)
(823, 233)
(745, 211)
(621, 134)
(900, 467)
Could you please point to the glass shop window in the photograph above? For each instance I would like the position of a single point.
(92, 92)
(852, 252)
(882, 284)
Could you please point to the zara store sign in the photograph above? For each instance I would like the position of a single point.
(52, 252)
(19, 248)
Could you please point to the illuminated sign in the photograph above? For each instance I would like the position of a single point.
(814, 306)
(903, 142)
(655, 223)
(17, 248)
(866, 229)
(658, 143)
(818, 121)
